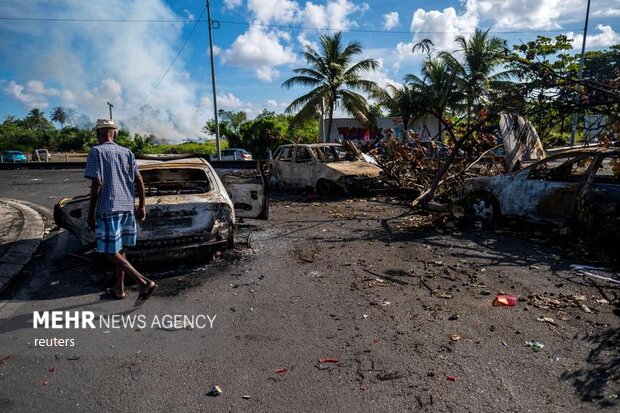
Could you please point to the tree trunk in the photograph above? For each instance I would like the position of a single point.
(331, 120)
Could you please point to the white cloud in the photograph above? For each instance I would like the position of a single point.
(526, 14)
(260, 50)
(608, 12)
(606, 37)
(232, 4)
(274, 11)
(390, 20)
(30, 98)
(89, 64)
(272, 103)
(442, 26)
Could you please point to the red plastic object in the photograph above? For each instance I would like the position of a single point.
(451, 378)
(328, 360)
(504, 300)
(280, 371)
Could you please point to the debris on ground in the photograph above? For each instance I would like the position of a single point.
(504, 300)
(215, 391)
(535, 345)
(280, 371)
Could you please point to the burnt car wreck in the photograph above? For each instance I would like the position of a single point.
(190, 211)
(578, 188)
(326, 168)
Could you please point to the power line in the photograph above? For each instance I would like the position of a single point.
(274, 26)
(173, 60)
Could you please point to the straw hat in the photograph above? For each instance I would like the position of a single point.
(105, 124)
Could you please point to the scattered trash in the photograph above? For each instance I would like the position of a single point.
(536, 346)
(246, 396)
(602, 301)
(3, 359)
(451, 378)
(504, 300)
(504, 343)
(365, 316)
(455, 337)
(384, 303)
(328, 360)
(280, 371)
(51, 369)
(453, 317)
(547, 320)
(73, 358)
(215, 391)
(322, 366)
(54, 282)
(447, 296)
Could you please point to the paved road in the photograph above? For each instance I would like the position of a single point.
(317, 282)
(42, 187)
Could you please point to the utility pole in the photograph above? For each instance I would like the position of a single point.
(583, 51)
(217, 124)
(110, 107)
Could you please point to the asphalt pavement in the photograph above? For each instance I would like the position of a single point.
(331, 305)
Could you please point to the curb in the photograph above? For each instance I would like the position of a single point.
(14, 260)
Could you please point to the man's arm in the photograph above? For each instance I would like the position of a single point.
(141, 197)
(95, 188)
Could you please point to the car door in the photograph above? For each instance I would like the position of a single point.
(548, 190)
(303, 168)
(282, 167)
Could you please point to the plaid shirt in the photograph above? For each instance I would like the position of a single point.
(115, 167)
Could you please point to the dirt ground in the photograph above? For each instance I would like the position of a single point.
(370, 308)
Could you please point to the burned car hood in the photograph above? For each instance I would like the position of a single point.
(354, 168)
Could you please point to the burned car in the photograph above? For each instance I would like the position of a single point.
(190, 213)
(326, 168)
(576, 187)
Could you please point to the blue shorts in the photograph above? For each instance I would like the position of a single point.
(115, 231)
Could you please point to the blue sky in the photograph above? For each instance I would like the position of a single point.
(81, 54)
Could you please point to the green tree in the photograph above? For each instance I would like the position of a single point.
(59, 114)
(478, 60)
(437, 89)
(36, 120)
(401, 101)
(335, 79)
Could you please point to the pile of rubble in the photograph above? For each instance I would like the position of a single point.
(413, 166)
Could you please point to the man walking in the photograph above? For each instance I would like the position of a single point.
(112, 170)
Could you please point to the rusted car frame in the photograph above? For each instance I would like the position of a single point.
(326, 168)
(576, 187)
(190, 213)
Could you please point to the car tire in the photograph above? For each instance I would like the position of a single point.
(483, 208)
(326, 187)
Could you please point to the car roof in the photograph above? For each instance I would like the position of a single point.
(195, 162)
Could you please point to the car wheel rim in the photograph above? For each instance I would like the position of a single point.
(483, 210)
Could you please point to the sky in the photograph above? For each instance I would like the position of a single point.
(150, 58)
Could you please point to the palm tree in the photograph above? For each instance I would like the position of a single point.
(335, 80)
(437, 89)
(402, 101)
(59, 115)
(481, 55)
(36, 119)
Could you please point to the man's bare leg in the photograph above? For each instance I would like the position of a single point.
(122, 264)
(119, 287)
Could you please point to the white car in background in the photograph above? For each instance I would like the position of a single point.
(235, 154)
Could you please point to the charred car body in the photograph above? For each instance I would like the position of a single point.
(576, 187)
(190, 213)
(326, 168)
